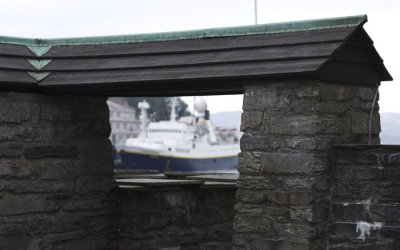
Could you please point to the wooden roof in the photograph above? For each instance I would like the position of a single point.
(215, 61)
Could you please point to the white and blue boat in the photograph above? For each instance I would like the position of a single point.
(187, 144)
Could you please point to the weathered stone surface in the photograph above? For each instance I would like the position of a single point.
(253, 224)
(39, 152)
(271, 98)
(259, 142)
(11, 149)
(287, 163)
(249, 163)
(307, 92)
(12, 242)
(26, 204)
(251, 120)
(179, 218)
(51, 187)
(249, 196)
(302, 120)
(359, 123)
(293, 125)
(14, 111)
(337, 92)
(367, 94)
(365, 211)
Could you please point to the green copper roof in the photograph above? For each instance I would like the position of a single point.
(39, 46)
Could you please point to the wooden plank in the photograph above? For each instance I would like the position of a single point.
(215, 177)
(357, 54)
(218, 185)
(199, 58)
(15, 50)
(241, 70)
(350, 73)
(13, 76)
(158, 182)
(171, 88)
(191, 45)
(132, 188)
(17, 63)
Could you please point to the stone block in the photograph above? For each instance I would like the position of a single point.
(334, 107)
(336, 92)
(367, 94)
(11, 149)
(18, 133)
(271, 98)
(14, 111)
(51, 151)
(26, 204)
(366, 172)
(307, 92)
(391, 231)
(293, 125)
(21, 186)
(301, 142)
(258, 183)
(304, 214)
(293, 231)
(359, 123)
(259, 142)
(16, 168)
(305, 108)
(386, 212)
(13, 242)
(249, 223)
(348, 211)
(332, 125)
(279, 197)
(287, 163)
(251, 120)
(249, 163)
(359, 190)
(245, 241)
(296, 183)
(250, 196)
(91, 185)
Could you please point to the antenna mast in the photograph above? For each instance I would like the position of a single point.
(255, 11)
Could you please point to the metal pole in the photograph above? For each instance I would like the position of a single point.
(255, 11)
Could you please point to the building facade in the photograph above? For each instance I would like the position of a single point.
(123, 122)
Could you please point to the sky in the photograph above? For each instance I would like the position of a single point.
(76, 18)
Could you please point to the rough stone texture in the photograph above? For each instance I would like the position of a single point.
(366, 194)
(285, 177)
(56, 173)
(178, 218)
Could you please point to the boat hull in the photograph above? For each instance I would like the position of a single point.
(136, 161)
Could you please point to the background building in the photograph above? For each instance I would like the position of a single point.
(123, 121)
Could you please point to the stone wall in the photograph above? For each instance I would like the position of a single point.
(55, 173)
(289, 128)
(365, 205)
(176, 218)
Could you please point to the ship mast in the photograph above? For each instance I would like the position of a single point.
(174, 103)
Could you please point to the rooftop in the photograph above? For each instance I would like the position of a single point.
(211, 61)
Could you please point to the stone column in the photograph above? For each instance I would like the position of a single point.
(56, 173)
(289, 127)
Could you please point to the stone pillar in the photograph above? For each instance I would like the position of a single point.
(56, 173)
(289, 127)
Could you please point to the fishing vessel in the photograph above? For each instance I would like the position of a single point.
(181, 144)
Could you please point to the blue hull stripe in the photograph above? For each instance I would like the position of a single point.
(161, 163)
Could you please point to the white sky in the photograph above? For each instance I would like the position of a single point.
(73, 18)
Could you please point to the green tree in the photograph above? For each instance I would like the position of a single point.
(159, 106)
